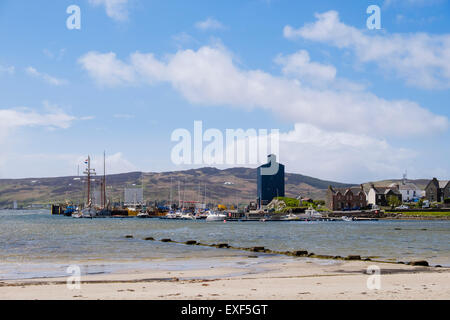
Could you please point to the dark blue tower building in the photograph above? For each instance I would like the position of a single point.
(270, 180)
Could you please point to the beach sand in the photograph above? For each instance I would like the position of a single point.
(300, 278)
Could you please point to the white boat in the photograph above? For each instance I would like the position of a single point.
(143, 215)
(170, 215)
(310, 214)
(216, 216)
(345, 218)
(178, 214)
(77, 215)
(187, 216)
(291, 217)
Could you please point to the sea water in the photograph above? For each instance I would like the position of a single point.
(37, 244)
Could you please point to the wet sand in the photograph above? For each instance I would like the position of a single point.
(300, 278)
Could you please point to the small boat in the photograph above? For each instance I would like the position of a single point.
(310, 214)
(187, 216)
(70, 210)
(291, 217)
(77, 215)
(143, 215)
(345, 218)
(216, 216)
(170, 215)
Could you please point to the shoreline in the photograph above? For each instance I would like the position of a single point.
(277, 278)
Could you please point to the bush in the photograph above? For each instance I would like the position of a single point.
(393, 201)
(290, 202)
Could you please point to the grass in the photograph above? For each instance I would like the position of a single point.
(424, 213)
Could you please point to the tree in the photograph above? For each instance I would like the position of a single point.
(393, 201)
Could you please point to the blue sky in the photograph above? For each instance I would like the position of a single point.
(351, 104)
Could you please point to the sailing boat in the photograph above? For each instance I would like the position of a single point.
(89, 211)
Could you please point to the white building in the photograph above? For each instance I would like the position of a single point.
(408, 190)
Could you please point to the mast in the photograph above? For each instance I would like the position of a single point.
(89, 172)
(104, 181)
(170, 196)
(184, 192)
(179, 195)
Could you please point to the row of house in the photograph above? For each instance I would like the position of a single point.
(356, 197)
(437, 190)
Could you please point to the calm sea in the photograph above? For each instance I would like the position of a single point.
(36, 244)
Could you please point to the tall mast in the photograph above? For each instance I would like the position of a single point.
(170, 196)
(179, 195)
(184, 191)
(104, 180)
(89, 172)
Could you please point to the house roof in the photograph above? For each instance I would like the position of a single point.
(443, 183)
(354, 190)
(385, 190)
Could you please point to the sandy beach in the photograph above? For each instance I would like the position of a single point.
(301, 278)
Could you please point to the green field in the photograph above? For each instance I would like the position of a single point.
(424, 213)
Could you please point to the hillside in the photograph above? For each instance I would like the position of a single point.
(157, 186)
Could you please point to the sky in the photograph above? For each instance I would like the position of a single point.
(351, 104)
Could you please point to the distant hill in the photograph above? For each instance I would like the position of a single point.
(225, 186)
(222, 186)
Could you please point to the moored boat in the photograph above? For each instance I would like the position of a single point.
(216, 216)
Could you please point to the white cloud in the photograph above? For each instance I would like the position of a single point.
(115, 163)
(115, 9)
(209, 76)
(299, 64)
(23, 165)
(7, 69)
(11, 119)
(410, 3)
(108, 68)
(421, 59)
(47, 78)
(341, 156)
(209, 24)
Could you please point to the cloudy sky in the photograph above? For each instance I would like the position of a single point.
(351, 104)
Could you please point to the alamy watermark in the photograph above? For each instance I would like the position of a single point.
(74, 20)
(374, 280)
(234, 147)
(374, 20)
(74, 280)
